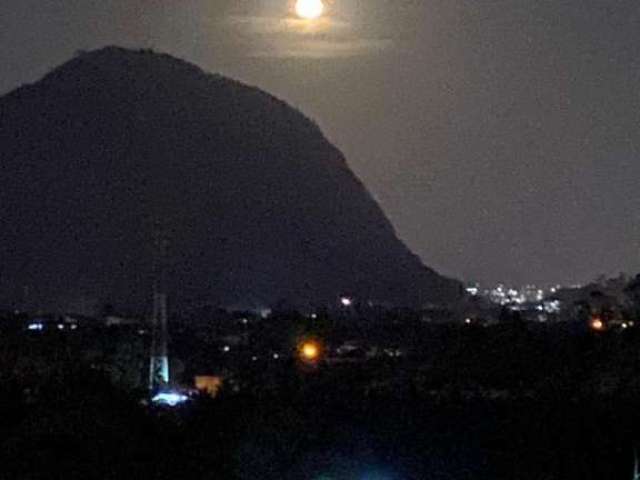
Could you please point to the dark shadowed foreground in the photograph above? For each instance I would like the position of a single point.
(502, 402)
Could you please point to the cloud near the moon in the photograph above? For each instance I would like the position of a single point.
(290, 25)
(326, 49)
(292, 37)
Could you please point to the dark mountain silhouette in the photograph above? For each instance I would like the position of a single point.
(257, 204)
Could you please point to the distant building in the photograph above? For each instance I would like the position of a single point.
(209, 384)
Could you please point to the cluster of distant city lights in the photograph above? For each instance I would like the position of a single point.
(517, 299)
(40, 326)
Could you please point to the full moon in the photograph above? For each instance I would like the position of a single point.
(309, 9)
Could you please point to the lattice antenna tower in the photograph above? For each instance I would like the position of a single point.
(159, 358)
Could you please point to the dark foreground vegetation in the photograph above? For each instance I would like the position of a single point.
(504, 402)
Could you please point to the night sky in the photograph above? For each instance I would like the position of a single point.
(500, 136)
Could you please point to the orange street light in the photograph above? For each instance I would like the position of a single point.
(310, 351)
(597, 324)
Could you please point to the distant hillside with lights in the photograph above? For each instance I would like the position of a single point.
(256, 205)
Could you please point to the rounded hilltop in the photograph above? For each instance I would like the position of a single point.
(256, 204)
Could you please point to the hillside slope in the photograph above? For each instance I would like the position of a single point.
(257, 205)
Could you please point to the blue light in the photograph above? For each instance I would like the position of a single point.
(376, 476)
(171, 399)
(380, 474)
(35, 326)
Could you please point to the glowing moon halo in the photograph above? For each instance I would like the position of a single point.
(309, 9)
